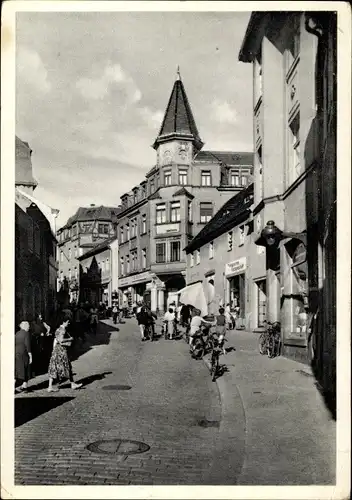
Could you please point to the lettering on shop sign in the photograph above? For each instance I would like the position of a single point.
(236, 267)
(167, 228)
(138, 278)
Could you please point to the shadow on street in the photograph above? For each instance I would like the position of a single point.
(27, 409)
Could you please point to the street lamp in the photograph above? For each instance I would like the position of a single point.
(271, 235)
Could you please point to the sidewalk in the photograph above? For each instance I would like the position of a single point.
(289, 434)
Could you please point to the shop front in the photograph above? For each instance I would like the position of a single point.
(235, 274)
(133, 288)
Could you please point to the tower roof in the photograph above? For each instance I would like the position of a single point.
(24, 169)
(178, 119)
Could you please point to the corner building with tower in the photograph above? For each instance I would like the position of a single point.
(178, 196)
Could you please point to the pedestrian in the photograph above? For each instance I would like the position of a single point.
(221, 328)
(23, 357)
(169, 321)
(60, 367)
(228, 316)
(93, 315)
(39, 331)
(115, 313)
(142, 319)
(185, 315)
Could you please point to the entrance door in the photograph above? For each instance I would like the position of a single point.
(261, 301)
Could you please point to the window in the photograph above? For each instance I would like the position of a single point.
(30, 234)
(167, 177)
(133, 261)
(294, 149)
(128, 264)
(103, 266)
(205, 178)
(190, 211)
(76, 273)
(160, 252)
(103, 228)
(258, 85)
(161, 213)
(211, 250)
(235, 178)
(182, 177)
(242, 235)
(61, 256)
(144, 258)
(74, 230)
(143, 193)
(69, 254)
(260, 174)
(197, 256)
(175, 247)
(244, 180)
(122, 265)
(175, 211)
(133, 227)
(192, 259)
(152, 186)
(127, 232)
(76, 252)
(229, 241)
(206, 212)
(144, 224)
(122, 235)
(107, 265)
(69, 274)
(86, 227)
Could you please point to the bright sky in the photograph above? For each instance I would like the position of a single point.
(92, 89)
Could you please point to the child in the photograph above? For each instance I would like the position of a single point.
(169, 319)
(221, 328)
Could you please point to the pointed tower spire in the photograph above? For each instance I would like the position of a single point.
(178, 122)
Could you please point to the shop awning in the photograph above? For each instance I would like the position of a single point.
(195, 296)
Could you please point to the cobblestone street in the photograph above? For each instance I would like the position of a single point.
(262, 423)
(167, 407)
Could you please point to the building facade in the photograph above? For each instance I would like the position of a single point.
(87, 227)
(174, 202)
(35, 245)
(220, 254)
(294, 73)
(99, 273)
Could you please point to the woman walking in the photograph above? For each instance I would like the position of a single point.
(60, 366)
(23, 356)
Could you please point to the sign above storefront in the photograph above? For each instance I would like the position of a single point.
(167, 228)
(235, 267)
(134, 280)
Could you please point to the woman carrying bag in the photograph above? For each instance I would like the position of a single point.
(60, 366)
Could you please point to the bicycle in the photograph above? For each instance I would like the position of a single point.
(269, 340)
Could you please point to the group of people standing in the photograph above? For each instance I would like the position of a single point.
(39, 351)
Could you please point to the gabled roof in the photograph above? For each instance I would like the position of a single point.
(93, 213)
(49, 213)
(183, 191)
(99, 247)
(178, 119)
(232, 213)
(23, 164)
(228, 158)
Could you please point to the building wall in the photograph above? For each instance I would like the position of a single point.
(35, 263)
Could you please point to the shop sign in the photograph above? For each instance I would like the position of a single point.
(167, 228)
(236, 267)
(134, 280)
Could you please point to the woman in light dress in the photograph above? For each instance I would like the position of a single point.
(60, 366)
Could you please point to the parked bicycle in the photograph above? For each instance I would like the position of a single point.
(270, 340)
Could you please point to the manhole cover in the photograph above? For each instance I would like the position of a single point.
(302, 372)
(208, 423)
(116, 387)
(257, 392)
(117, 447)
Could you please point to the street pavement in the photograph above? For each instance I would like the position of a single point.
(262, 423)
